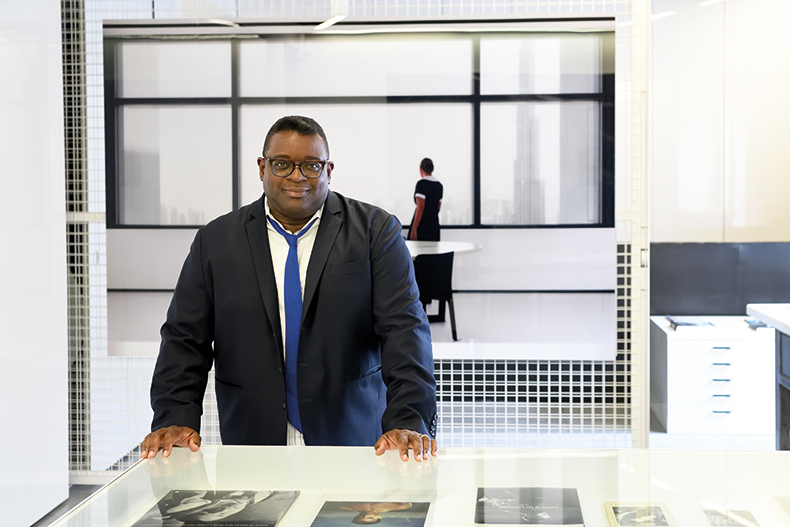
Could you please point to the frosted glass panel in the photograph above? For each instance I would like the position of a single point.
(359, 66)
(174, 69)
(175, 164)
(377, 150)
(540, 163)
(540, 64)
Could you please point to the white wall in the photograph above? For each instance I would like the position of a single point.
(720, 119)
(33, 325)
(141, 261)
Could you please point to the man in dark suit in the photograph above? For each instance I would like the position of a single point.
(359, 369)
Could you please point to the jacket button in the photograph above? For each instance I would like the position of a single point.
(284, 405)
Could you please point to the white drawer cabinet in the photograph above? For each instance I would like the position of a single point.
(713, 379)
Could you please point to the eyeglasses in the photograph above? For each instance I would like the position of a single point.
(309, 169)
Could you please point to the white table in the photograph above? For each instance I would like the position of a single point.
(417, 248)
(685, 482)
(778, 316)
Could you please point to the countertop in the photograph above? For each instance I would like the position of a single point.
(777, 315)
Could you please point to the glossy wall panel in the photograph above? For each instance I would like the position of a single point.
(686, 125)
(719, 121)
(33, 314)
(757, 121)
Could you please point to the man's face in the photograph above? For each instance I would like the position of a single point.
(294, 199)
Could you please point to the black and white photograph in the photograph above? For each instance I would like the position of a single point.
(717, 518)
(650, 514)
(390, 513)
(528, 506)
(248, 508)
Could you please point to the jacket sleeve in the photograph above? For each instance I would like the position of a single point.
(402, 326)
(185, 353)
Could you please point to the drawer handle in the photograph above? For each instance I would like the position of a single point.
(721, 395)
(721, 348)
(721, 411)
(722, 363)
(721, 380)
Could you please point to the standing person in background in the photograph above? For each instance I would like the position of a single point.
(428, 199)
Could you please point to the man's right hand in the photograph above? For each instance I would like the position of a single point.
(165, 439)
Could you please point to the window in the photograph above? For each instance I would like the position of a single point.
(519, 124)
(165, 176)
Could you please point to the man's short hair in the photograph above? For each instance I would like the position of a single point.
(427, 165)
(296, 123)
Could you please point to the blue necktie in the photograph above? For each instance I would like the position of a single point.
(293, 319)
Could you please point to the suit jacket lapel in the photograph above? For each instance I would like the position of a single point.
(258, 238)
(328, 229)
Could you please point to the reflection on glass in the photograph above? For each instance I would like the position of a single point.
(175, 166)
(377, 149)
(540, 163)
(540, 64)
(174, 69)
(355, 66)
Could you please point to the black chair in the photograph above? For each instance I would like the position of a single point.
(434, 273)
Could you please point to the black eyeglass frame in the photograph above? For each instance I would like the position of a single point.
(321, 173)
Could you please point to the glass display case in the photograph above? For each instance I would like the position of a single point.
(459, 487)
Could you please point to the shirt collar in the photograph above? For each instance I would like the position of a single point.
(316, 215)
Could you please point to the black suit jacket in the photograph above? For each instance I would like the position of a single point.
(365, 359)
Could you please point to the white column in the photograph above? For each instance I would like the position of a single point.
(33, 304)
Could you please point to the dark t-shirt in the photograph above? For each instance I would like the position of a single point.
(431, 190)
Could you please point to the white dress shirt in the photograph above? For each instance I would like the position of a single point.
(279, 249)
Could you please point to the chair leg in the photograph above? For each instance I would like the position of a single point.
(452, 317)
(439, 317)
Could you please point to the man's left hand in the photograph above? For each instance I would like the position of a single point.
(403, 440)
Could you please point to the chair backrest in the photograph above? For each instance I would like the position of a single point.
(434, 273)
